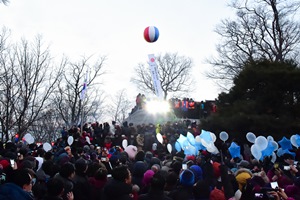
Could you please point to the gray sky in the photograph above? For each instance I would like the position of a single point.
(115, 28)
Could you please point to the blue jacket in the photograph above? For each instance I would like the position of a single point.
(11, 191)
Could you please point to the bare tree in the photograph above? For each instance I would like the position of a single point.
(67, 98)
(263, 29)
(174, 74)
(48, 127)
(120, 107)
(27, 79)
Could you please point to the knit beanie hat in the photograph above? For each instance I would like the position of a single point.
(197, 172)
(241, 178)
(217, 171)
(187, 178)
(217, 194)
(147, 177)
(4, 164)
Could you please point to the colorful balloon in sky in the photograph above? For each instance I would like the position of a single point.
(151, 34)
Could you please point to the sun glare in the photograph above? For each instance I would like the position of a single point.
(156, 106)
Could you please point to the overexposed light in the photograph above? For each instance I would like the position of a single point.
(157, 106)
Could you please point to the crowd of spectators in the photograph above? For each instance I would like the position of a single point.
(100, 168)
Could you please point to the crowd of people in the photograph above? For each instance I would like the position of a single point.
(96, 165)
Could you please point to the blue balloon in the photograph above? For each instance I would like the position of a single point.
(185, 144)
(205, 135)
(269, 150)
(183, 141)
(234, 150)
(199, 146)
(285, 143)
(298, 139)
(190, 150)
(281, 152)
(177, 147)
(191, 138)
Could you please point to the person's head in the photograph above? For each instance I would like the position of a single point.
(187, 178)
(47, 167)
(243, 164)
(139, 168)
(172, 179)
(101, 174)
(197, 170)
(40, 152)
(140, 155)
(148, 177)
(288, 158)
(201, 189)
(81, 166)
(155, 168)
(158, 181)
(49, 155)
(55, 187)
(67, 170)
(122, 173)
(22, 153)
(68, 150)
(23, 179)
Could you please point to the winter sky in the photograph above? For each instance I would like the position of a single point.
(115, 28)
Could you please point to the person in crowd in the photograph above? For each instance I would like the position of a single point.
(82, 187)
(66, 175)
(139, 168)
(55, 191)
(97, 182)
(184, 190)
(147, 181)
(156, 190)
(20, 187)
(119, 188)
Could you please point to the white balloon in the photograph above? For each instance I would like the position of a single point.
(216, 151)
(47, 146)
(213, 137)
(26, 136)
(70, 140)
(159, 138)
(270, 138)
(204, 143)
(274, 157)
(87, 139)
(256, 153)
(198, 139)
(275, 145)
(293, 141)
(124, 143)
(223, 136)
(261, 142)
(211, 148)
(250, 137)
(30, 140)
(169, 147)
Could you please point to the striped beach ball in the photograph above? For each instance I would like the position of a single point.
(151, 34)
